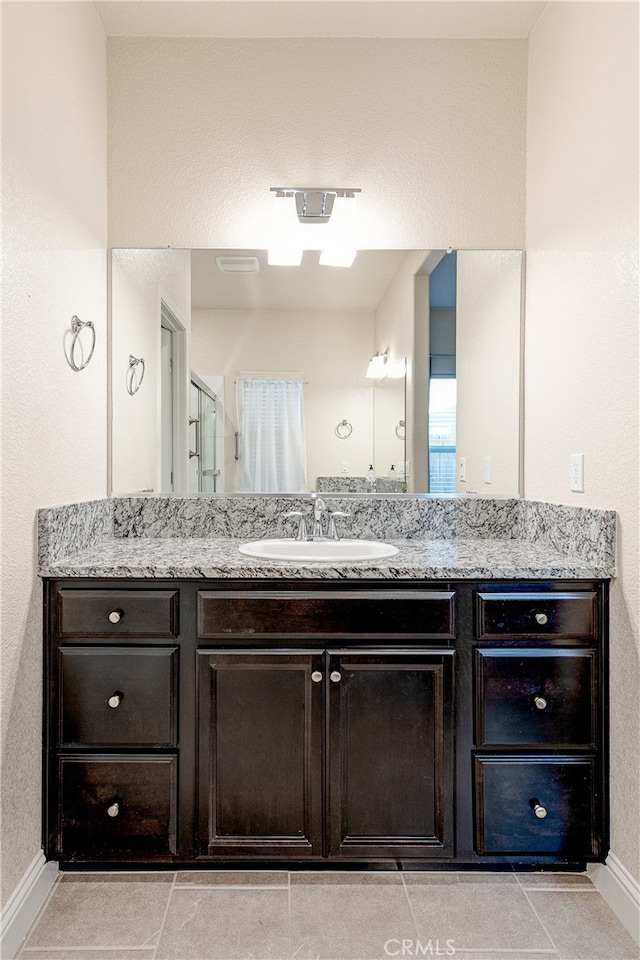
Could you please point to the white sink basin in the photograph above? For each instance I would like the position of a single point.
(324, 551)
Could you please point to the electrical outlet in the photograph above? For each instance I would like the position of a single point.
(487, 470)
(345, 466)
(576, 478)
(462, 469)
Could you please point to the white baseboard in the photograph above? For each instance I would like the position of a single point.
(620, 890)
(23, 905)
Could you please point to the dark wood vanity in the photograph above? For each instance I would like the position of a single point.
(369, 722)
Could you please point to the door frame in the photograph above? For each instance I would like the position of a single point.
(169, 317)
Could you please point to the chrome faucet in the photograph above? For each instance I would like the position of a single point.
(321, 529)
(319, 509)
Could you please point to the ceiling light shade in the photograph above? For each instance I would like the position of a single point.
(285, 248)
(377, 368)
(339, 249)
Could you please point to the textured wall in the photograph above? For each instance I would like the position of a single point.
(433, 131)
(54, 420)
(581, 362)
(488, 307)
(137, 276)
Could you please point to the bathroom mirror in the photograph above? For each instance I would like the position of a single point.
(205, 319)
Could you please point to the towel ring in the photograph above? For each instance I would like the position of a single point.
(401, 430)
(133, 382)
(344, 430)
(77, 326)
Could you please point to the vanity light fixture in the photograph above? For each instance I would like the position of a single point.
(313, 218)
(377, 368)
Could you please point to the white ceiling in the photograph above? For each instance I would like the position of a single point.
(306, 287)
(452, 19)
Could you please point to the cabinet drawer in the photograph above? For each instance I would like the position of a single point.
(419, 613)
(117, 697)
(536, 698)
(562, 616)
(116, 613)
(535, 805)
(112, 806)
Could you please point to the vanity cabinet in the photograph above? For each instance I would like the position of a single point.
(538, 767)
(325, 722)
(387, 754)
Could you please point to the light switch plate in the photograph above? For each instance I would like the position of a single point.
(576, 479)
(462, 469)
(486, 470)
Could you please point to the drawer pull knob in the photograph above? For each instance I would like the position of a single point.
(116, 616)
(538, 809)
(542, 618)
(316, 676)
(540, 703)
(114, 809)
(115, 700)
(336, 676)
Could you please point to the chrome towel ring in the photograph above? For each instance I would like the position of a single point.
(135, 376)
(401, 430)
(77, 326)
(344, 430)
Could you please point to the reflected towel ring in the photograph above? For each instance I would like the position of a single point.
(401, 430)
(344, 430)
(133, 381)
(77, 326)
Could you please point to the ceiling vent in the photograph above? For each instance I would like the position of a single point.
(238, 264)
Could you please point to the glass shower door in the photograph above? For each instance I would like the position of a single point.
(203, 472)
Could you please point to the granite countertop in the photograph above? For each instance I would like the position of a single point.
(429, 559)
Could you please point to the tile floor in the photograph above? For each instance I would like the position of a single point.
(275, 915)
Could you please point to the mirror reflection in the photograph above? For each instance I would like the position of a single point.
(257, 376)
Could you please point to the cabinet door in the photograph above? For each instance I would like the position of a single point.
(390, 755)
(260, 754)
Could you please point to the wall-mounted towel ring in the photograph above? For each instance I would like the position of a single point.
(344, 429)
(135, 374)
(77, 326)
(401, 430)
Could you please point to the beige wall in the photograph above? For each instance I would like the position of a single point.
(582, 320)
(138, 278)
(488, 308)
(330, 349)
(395, 331)
(54, 419)
(432, 131)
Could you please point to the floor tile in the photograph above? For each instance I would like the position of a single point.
(226, 924)
(233, 878)
(582, 926)
(480, 916)
(86, 955)
(505, 955)
(338, 920)
(461, 877)
(554, 881)
(348, 877)
(101, 913)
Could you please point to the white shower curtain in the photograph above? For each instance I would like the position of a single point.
(271, 446)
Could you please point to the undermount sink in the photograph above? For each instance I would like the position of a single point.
(318, 550)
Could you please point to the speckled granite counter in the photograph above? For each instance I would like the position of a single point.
(438, 538)
(417, 559)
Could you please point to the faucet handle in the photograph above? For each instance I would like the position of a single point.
(302, 524)
(333, 532)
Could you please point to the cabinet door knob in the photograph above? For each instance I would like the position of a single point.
(316, 676)
(115, 700)
(114, 809)
(116, 616)
(336, 676)
(540, 703)
(541, 618)
(538, 809)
